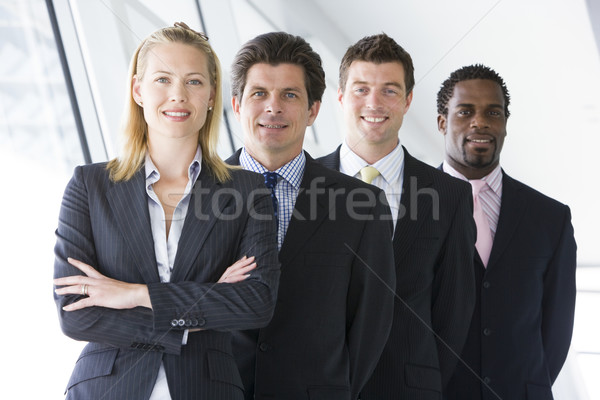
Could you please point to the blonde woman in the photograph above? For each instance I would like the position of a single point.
(143, 240)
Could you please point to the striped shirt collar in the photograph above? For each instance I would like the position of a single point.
(152, 174)
(292, 172)
(493, 179)
(390, 167)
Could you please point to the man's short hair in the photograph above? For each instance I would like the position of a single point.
(276, 48)
(378, 49)
(475, 71)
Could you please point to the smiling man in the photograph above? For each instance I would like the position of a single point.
(434, 230)
(336, 291)
(525, 258)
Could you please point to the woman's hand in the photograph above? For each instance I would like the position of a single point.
(238, 271)
(100, 290)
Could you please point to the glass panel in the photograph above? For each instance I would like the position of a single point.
(35, 113)
(39, 146)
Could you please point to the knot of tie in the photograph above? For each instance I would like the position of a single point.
(271, 179)
(270, 183)
(368, 173)
(478, 186)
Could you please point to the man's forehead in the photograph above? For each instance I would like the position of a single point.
(279, 75)
(392, 71)
(477, 91)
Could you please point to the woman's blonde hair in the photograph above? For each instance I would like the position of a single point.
(134, 127)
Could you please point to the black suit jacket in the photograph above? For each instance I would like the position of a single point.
(523, 320)
(335, 300)
(107, 225)
(433, 252)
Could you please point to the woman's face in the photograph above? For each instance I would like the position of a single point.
(174, 91)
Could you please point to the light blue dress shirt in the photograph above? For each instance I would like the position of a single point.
(287, 189)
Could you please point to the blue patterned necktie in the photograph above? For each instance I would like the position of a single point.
(271, 182)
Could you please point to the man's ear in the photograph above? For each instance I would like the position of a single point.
(340, 94)
(235, 105)
(313, 111)
(408, 101)
(441, 121)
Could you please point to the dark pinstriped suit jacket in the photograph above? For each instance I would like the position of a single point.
(433, 252)
(107, 225)
(523, 320)
(335, 299)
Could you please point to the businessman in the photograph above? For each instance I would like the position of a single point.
(526, 253)
(434, 232)
(335, 300)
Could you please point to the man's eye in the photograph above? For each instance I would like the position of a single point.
(463, 112)
(258, 94)
(291, 95)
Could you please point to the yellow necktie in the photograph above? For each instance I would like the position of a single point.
(368, 173)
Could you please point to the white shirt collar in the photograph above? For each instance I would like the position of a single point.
(493, 179)
(390, 167)
(153, 175)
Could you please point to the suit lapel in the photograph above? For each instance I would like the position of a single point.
(409, 223)
(128, 201)
(332, 160)
(307, 217)
(201, 216)
(415, 179)
(512, 210)
(303, 224)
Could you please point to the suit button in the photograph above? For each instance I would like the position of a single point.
(174, 323)
(201, 322)
(194, 322)
(486, 285)
(487, 380)
(188, 322)
(487, 331)
(181, 322)
(263, 347)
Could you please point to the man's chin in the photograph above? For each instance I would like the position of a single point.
(479, 162)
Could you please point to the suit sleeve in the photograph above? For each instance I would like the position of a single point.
(558, 305)
(248, 304)
(370, 303)
(454, 284)
(119, 328)
(214, 306)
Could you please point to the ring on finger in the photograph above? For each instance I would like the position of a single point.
(84, 291)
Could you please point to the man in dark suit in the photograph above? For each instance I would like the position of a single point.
(526, 253)
(434, 231)
(335, 299)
